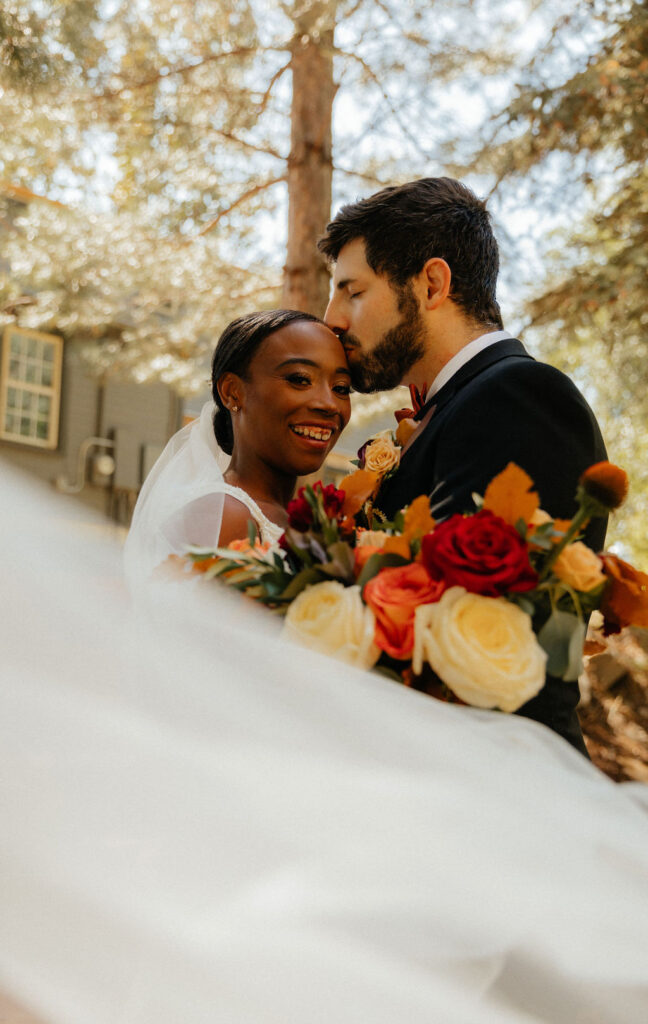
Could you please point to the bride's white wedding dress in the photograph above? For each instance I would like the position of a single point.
(200, 824)
(181, 502)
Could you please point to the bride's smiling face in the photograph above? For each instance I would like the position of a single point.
(293, 402)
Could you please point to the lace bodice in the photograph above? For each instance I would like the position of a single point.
(269, 531)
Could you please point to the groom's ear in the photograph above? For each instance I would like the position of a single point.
(436, 278)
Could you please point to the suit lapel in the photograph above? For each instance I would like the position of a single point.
(487, 357)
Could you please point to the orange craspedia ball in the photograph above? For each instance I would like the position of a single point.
(606, 483)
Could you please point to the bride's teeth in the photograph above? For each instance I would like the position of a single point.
(313, 432)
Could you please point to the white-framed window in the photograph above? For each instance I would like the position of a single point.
(30, 387)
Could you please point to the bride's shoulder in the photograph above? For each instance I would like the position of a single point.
(235, 518)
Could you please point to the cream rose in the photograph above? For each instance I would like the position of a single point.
(579, 567)
(483, 648)
(331, 618)
(382, 454)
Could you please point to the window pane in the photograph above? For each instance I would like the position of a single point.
(27, 402)
(32, 347)
(12, 397)
(15, 369)
(48, 352)
(10, 423)
(44, 404)
(30, 374)
(42, 430)
(15, 343)
(25, 426)
(46, 376)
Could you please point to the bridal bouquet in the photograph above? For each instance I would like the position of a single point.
(477, 608)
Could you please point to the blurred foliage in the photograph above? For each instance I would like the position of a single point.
(164, 130)
(576, 135)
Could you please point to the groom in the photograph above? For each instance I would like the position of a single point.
(414, 303)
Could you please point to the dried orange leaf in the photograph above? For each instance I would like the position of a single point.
(418, 518)
(397, 546)
(358, 487)
(510, 495)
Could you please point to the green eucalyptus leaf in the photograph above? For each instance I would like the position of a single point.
(562, 637)
(341, 562)
(298, 583)
(252, 532)
(376, 563)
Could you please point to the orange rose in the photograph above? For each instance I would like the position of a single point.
(625, 599)
(244, 545)
(361, 556)
(393, 595)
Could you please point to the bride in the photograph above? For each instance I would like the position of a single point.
(280, 385)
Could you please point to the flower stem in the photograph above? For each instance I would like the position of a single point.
(579, 520)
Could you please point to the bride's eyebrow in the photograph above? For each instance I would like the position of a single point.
(303, 361)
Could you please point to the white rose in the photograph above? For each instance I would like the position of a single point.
(382, 455)
(331, 618)
(483, 648)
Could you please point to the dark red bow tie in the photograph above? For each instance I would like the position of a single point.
(418, 401)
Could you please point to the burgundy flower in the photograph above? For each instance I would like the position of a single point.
(333, 499)
(481, 553)
(300, 513)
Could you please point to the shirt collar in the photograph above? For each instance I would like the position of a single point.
(463, 356)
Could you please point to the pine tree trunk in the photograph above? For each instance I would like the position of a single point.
(310, 168)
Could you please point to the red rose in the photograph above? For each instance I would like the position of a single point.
(481, 553)
(393, 595)
(300, 513)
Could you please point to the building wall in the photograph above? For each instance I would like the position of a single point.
(140, 418)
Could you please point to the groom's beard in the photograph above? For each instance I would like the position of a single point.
(394, 355)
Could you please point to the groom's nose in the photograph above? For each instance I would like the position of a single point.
(334, 316)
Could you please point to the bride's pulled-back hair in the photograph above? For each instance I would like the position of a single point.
(234, 351)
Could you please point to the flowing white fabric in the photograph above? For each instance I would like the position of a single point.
(200, 824)
(181, 502)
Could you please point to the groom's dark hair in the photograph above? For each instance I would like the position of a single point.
(403, 226)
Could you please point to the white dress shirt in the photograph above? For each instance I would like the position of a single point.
(463, 356)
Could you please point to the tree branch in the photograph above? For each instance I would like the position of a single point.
(183, 69)
(237, 202)
(275, 78)
(374, 78)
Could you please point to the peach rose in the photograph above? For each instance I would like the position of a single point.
(540, 517)
(332, 619)
(382, 455)
(393, 596)
(579, 567)
(483, 648)
(373, 538)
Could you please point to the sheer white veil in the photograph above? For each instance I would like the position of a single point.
(181, 501)
(201, 823)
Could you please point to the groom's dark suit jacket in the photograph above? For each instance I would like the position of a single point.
(503, 406)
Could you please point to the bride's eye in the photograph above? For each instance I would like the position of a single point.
(342, 389)
(300, 379)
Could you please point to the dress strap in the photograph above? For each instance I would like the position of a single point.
(269, 531)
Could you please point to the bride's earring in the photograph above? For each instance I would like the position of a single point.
(234, 408)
